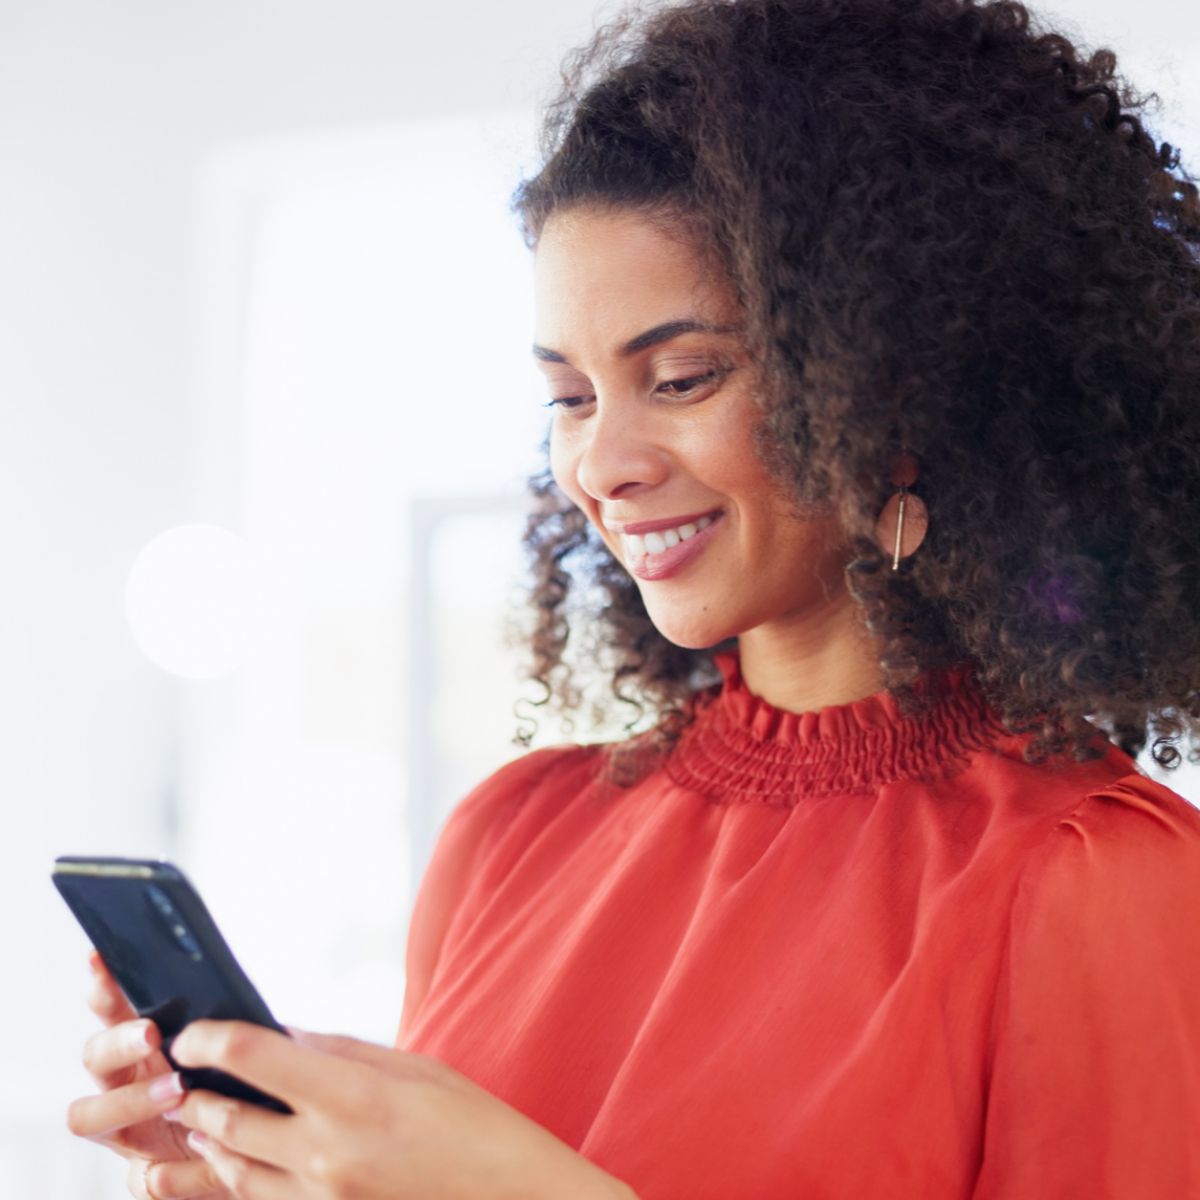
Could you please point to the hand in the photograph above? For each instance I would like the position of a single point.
(369, 1123)
(137, 1085)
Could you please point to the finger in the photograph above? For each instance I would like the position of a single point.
(98, 1117)
(270, 1061)
(244, 1177)
(111, 1055)
(191, 1179)
(245, 1129)
(135, 1179)
(107, 1000)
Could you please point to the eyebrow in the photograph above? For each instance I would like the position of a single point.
(651, 337)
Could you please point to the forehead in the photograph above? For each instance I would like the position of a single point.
(613, 273)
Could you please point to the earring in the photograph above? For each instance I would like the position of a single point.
(904, 520)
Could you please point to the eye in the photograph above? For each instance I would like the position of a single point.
(678, 388)
(683, 387)
(567, 401)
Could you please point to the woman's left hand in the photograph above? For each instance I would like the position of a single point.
(368, 1122)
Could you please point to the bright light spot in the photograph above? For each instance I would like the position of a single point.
(194, 600)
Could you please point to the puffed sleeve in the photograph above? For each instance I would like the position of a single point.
(1093, 1083)
(473, 826)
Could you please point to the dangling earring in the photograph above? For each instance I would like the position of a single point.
(902, 523)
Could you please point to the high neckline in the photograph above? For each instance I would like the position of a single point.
(740, 748)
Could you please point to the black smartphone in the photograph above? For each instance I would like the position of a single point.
(160, 944)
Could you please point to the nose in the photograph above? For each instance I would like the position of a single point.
(619, 451)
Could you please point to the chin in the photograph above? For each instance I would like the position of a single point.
(692, 634)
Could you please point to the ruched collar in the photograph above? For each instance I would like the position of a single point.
(739, 748)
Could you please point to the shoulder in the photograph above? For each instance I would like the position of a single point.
(1136, 821)
(1103, 941)
(1125, 857)
(534, 768)
(553, 769)
(1095, 1037)
(506, 797)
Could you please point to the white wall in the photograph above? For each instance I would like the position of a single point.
(106, 113)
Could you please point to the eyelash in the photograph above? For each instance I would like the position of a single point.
(692, 382)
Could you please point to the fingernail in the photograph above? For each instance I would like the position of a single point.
(173, 1114)
(198, 1142)
(166, 1087)
(138, 1036)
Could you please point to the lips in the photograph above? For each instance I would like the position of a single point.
(644, 527)
(650, 557)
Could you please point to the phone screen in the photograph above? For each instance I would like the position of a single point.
(160, 944)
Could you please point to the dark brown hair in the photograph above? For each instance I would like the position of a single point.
(948, 231)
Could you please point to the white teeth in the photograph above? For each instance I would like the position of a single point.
(655, 543)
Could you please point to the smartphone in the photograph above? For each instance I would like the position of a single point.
(160, 944)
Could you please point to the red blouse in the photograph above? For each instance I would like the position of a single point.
(831, 954)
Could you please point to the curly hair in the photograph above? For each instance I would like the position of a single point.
(948, 231)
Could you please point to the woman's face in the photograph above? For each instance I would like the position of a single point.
(653, 433)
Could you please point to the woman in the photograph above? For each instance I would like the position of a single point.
(872, 335)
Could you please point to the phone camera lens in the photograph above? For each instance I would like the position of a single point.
(174, 922)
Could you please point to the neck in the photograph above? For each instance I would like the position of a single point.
(805, 662)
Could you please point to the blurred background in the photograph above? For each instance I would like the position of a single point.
(266, 409)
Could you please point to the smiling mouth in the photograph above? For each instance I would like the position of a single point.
(665, 552)
(637, 545)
